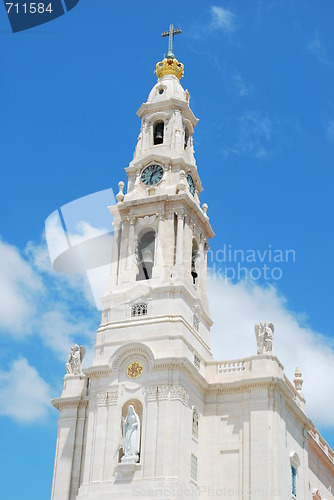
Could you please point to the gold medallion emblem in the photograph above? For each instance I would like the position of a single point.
(134, 369)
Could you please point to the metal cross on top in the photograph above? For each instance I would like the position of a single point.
(171, 34)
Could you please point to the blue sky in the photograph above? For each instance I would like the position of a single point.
(260, 76)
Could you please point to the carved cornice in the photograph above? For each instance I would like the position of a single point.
(161, 215)
(112, 397)
(179, 393)
(65, 403)
(101, 398)
(164, 392)
(131, 219)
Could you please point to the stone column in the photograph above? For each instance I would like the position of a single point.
(78, 450)
(115, 255)
(131, 244)
(178, 271)
(178, 138)
(150, 433)
(158, 269)
(169, 238)
(99, 436)
(123, 249)
(113, 434)
(179, 239)
(62, 474)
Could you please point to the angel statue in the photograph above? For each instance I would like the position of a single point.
(131, 436)
(264, 337)
(75, 359)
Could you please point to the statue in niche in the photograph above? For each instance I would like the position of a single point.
(131, 436)
(264, 337)
(75, 359)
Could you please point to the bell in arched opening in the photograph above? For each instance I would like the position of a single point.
(146, 256)
(158, 132)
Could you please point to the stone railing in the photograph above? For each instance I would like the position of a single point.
(232, 366)
(252, 367)
(316, 436)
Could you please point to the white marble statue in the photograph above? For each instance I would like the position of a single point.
(264, 337)
(131, 436)
(75, 359)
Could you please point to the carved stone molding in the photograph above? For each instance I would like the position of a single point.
(101, 398)
(175, 392)
(163, 391)
(161, 215)
(132, 350)
(147, 220)
(151, 393)
(112, 397)
(178, 392)
(60, 405)
(131, 220)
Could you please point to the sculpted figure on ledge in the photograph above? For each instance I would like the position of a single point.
(264, 337)
(75, 359)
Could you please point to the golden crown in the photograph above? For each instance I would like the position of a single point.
(170, 66)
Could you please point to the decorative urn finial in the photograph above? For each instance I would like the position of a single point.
(120, 194)
(298, 381)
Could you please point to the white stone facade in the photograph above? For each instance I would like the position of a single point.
(230, 429)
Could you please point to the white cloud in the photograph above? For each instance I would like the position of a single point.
(241, 87)
(329, 129)
(58, 332)
(85, 231)
(222, 19)
(24, 395)
(35, 300)
(253, 137)
(318, 49)
(235, 308)
(257, 135)
(19, 287)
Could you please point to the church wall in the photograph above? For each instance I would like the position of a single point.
(321, 473)
(295, 444)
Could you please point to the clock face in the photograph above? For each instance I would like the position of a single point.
(191, 184)
(152, 175)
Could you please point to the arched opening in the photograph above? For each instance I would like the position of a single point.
(131, 439)
(145, 256)
(158, 132)
(194, 257)
(186, 137)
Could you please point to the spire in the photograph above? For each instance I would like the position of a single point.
(170, 65)
(170, 34)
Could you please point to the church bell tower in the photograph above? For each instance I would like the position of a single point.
(153, 340)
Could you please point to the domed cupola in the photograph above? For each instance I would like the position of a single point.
(167, 120)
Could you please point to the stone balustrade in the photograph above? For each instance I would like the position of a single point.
(316, 436)
(232, 366)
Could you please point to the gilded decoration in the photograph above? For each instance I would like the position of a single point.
(134, 369)
(170, 67)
